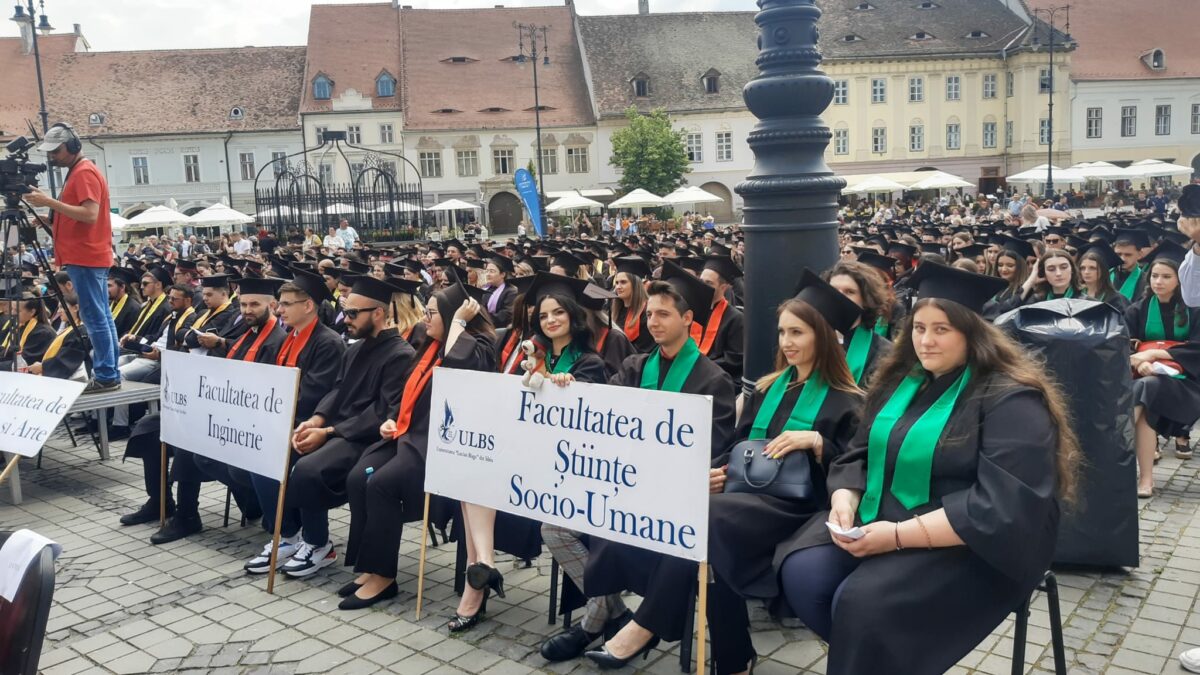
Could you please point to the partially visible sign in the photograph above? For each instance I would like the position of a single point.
(31, 407)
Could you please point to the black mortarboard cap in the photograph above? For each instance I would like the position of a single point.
(127, 275)
(1189, 201)
(1017, 245)
(259, 286)
(691, 264)
(1108, 257)
(569, 262)
(161, 275)
(597, 297)
(355, 267)
(186, 265)
(838, 310)
(900, 247)
(633, 264)
(216, 281)
(502, 263)
(545, 283)
(968, 289)
(1168, 250)
(972, 250)
(449, 299)
(370, 287)
(723, 265)
(1135, 236)
(880, 262)
(312, 284)
(697, 294)
(405, 286)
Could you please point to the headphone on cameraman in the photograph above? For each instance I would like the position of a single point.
(73, 144)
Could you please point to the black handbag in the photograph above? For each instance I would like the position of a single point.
(749, 471)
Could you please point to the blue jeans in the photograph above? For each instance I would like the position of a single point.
(91, 285)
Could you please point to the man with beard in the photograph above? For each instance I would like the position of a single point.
(259, 343)
(218, 326)
(121, 303)
(347, 420)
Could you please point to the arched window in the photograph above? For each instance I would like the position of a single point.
(385, 85)
(322, 88)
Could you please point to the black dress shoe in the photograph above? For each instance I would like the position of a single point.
(148, 513)
(355, 602)
(481, 577)
(177, 528)
(349, 589)
(461, 623)
(615, 624)
(569, 644)
(604, 658)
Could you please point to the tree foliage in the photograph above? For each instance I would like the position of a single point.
(649, 152)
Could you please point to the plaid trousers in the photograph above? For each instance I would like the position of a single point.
(572, 555)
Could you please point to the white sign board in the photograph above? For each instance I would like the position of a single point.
(628, 465)
(31, 407)
(236, 412)
(18, 551)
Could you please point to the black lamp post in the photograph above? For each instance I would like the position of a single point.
(534, 34)
(790, 197)
(22, 15)
(1049, 15)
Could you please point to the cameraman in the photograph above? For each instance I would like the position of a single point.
(83, 246)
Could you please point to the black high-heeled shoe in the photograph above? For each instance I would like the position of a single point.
(481, 576)
(461, 623)
(605, 659)
(349, 589)
(355, 602)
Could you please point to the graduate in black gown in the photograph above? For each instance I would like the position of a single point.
(955, 476)
(808, 405)
(68, 350)
(676, 365)
(1054, 276)
(722, 336)
(1012, 267)
(509, 338)
(121, 301)
(32, 334)
(217, 326)
(459, 335)
(1163, 330)
(1096, 261)
(1130, 279)
(499, 293)
(862, 344)
(608, 340)
(629, 308)
(148, 323)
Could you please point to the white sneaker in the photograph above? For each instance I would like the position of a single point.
(261, 563)
(308, 559)
(1190, 660)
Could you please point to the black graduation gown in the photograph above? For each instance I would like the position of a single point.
(994, 473)
(36, 344)
(327, 312)
(745, 528)
(1119, 275)
(1171, 404)
(125, 318)
(416, 335)
(614, 348)
(645, 341)
(267, 351)
(663, 581)
(727, 348)
(151, 327)
(175, 337)
(507, 341)
(368, 386)
(880, 346)
(319, 363)
(504, 306)
(1004, 301)
(70, 356)
(224, 324)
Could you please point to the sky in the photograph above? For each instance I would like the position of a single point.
(111, 25)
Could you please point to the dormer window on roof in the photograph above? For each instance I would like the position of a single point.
(921, 35)
(712, 82)
(385, 85)
(96, 119)
(446, 111)
(851, 38)
(322, 88)
(1155, 59)
(864, 7)
(928, 5)
(236, 113)
(494, 109)
(540, 108)
(641, 85)
(977, 34)
(459, 59)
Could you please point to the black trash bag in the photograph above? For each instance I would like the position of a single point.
(1086, 347)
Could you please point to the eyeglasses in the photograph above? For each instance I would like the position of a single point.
(285, 304)
(353, 312)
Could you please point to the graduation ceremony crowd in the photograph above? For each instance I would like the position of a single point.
(931, 456)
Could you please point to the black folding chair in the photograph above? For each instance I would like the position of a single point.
(23, 621)
(1049, 586)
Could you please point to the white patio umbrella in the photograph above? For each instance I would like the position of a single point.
(1100, 171)
(157, 215)
(118, 221)
(453, 205)
(571, 202)
(219, 214)
(283, 210)
(1038, 175)
(872, 184)
(940, 181)
(337, 207)
(691, 194)
(1153, 168)
(399, 207)
(636, 199)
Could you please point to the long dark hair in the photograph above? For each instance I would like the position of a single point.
(989, 351)
(1021, 273)
(480, 324)
(38, 307)
(581, 332)
(874, 293)
(1043, 289)
(1181, 312)
(829, 359)
(1105, 283)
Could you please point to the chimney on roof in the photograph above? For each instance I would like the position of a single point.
(643, 7)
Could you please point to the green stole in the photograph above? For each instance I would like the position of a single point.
(1129, 288)
(1069, 294)
(882, 328)
(914, 463)
(564, 362)
(1154, 323)
(804, 413)
(681, 367)
(856, 352)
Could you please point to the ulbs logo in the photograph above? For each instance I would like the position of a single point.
(471, 439)
(177, 398)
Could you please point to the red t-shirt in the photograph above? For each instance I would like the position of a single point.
(77, 243)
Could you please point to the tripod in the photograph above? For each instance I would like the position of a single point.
(13, 216)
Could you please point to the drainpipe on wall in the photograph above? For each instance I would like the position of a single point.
(228, 171)
(104, 167)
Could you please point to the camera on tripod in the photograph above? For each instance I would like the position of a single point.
(18, 175)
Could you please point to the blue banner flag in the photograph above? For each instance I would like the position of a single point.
(527, 188)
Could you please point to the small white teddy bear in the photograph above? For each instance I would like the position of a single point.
(535, 352)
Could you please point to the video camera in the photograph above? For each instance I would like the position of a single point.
(18, 175)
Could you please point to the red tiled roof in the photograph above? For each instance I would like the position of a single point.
(18, 80)
(490, 79)
(352, 44)
(1114, 34)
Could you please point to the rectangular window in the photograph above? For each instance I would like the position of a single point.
(1043, 80)
(1008, 134)
(641, 88)
(1129, 120)
(841, 141)
(953, 87)
(386, 135)
(550, 161)
(1044, 131)
(356, 169)
(326, 174)
(1008, 84)
(879, 139)
(1196, 118)
(953, 137)
(989, 85)
(879, 90)
(989, 134)
(916, 138)
(430, 163)
(1162, 120)
(321, 134)
(388, 167)
(577, 160)
(503, 162)
(467, 161)
(841, 92)
(246, 161)
(354, 134)
(1095, 122)
(279, 163)
(141, 171)
(695, 147)
(191, 168)
(724, 146)
(916, 89)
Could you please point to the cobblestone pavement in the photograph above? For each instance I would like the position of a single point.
(124, 606)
